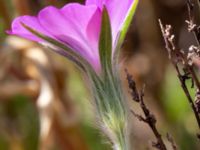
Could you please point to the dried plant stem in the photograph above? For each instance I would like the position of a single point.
(192, 27)
(187, 93)
(173, 144)
(194, 76)
(177, 56)
(149, 117)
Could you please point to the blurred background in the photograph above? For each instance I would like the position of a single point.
(44, 102)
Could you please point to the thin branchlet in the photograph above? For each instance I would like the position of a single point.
(182, 61)
(192, 27)
(148, 117)
(171, 140)
(132, 86)
(197, 100)
(195, 29)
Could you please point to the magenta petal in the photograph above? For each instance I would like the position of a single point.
(79, 17)
(75, 25)
(18, 29)
(69, 25)
(99, 3)
(93, 29)
(118, 10)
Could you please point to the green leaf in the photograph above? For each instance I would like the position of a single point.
(105, 41)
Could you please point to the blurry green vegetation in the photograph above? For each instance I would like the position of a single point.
(174, 99)
(19, 123)
(22, 118)
(94, 139)
(1, 28)
(179, 115)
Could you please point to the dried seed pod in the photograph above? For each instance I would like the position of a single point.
(197, 100)
(193, 54)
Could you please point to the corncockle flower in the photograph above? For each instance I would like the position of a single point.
(76, 25)
(90, 35)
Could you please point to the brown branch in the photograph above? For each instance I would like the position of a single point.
(170, 139)
(192, 27)
(186, 91)
(139, 117)
(178, 56)
(149, 117)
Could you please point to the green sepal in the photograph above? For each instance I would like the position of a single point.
(105, 41)
(111, 100)
(128, 20)
(122, 34)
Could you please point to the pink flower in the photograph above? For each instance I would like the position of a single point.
(75, 25)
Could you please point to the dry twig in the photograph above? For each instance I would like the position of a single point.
(170, 139)
(148, 118)
(183, 61)
(176, 57)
